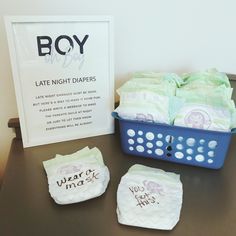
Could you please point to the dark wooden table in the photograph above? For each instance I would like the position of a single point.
(209, 200)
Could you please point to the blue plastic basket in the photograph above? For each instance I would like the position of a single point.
(174, 143)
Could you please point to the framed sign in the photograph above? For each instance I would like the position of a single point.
(63, 76)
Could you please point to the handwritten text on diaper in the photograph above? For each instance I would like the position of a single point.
(80, 179)
(142, 196)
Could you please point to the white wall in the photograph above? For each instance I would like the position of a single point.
(160, 35)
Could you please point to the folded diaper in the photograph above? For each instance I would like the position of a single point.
(211, 77)
(149, 97)
(144, 105)
(149, 198)
(195, 100)
(77, 177)
(208, 116)
(171, 78)
(207, 102)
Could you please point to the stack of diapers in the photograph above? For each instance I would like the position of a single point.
(199, 100)
(149, 97)
(77, 177)
(207, 102)
(149, 198)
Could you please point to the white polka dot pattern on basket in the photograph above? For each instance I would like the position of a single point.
(190, 142)
(181, 148)
(140, 132)
(199, 158)
(180, 138)
(179, 155)
(200, 149)
(159, 143)
(210, 161)
(140, 148)
(131, 141)
(140, 140)
(212, 144)
(189, 158)
(149, 151)
(189, 151)
(201, 141)
(131, 132)
(149, 145)
(210, 154)
(159, 152)
(150, 136)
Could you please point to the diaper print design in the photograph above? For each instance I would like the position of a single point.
(69, 169)
(143, 117)
(197, 119)
(153, 187)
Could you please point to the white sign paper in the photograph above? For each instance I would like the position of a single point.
(63, 76)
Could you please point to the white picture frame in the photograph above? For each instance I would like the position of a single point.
(63, 76)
